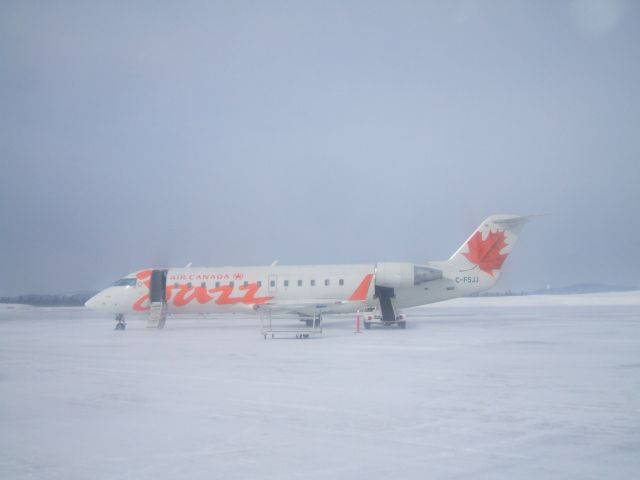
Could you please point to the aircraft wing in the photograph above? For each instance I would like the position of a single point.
(303, 307)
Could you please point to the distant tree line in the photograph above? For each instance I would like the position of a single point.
(59, 300)
(506, 293)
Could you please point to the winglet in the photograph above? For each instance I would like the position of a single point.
(360, 293)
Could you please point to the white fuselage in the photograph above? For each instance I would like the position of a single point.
(325, 289)
(330, 288)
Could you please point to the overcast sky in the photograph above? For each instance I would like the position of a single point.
(137, 134)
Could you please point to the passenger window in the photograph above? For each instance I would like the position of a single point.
(189, 285)
(341, 282)
(176, 285)
(217, 284)
(299, 283)
(326, 282)
(286, 283)
(203, 285)
(313, 283)
(231, 284)
(259, 283)
(245, 283)
(272, 283)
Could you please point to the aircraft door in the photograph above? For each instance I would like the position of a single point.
(157, 299)
(158, 288)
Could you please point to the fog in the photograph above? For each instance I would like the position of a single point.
(148, 134)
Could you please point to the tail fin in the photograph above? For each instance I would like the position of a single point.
(477, 264)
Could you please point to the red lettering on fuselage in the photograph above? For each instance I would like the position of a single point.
(186, 294)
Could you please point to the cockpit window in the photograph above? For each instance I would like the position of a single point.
(124, 282)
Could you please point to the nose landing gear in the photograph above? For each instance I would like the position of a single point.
(121, 325)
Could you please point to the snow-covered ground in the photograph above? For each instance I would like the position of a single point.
(6, 308)
(482, 388)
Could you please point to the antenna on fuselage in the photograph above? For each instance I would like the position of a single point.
(274, 263)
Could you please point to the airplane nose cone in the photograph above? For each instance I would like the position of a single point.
(92, 302)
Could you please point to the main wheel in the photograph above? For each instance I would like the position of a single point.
(367, 325)
(120, 326)
(402, 324)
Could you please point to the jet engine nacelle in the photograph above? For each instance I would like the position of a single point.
(404, 274)
(395, 275)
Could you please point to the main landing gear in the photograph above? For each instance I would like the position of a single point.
(313, 322)
(121, 325)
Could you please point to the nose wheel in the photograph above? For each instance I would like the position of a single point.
(121, 324)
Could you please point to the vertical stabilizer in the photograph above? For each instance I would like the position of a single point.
(477, 264)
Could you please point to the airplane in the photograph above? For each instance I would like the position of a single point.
(379, 290)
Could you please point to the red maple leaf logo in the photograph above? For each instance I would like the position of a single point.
(486, 253)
